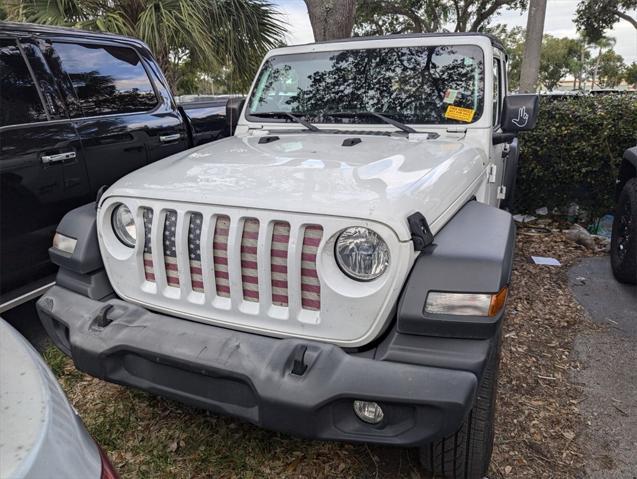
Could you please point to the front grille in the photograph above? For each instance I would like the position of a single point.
(265, 252)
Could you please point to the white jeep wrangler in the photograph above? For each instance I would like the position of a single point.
(337, 269)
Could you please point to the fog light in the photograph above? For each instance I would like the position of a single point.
(64, 243)
(368, 411)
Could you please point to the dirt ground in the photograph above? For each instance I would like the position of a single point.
(539, 420)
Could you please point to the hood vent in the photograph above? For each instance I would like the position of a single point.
(351, 141)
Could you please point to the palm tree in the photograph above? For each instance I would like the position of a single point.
(210, 33)
(603, 43)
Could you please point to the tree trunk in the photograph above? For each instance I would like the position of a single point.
(596, 69)
(331, 19)
(533, 46)
(581, 67)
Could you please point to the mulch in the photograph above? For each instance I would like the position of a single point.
(538, 418)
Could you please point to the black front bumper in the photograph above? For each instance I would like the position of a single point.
(250, 376)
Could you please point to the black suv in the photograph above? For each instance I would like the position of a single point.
(78, 110)
(623, 252)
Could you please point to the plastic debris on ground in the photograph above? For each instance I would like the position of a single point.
(546, 261)
(603, 227)
(524, 218)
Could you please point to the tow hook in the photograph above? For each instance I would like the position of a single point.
(101, 318)
(298, 360)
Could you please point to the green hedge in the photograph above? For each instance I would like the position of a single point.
(574, 152)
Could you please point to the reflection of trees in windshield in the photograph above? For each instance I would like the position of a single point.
(408, 83)
(274, 82)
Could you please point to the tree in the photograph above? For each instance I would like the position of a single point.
(380, 17)
(611, 69)
(556, 60)
(594, 17)
(209, 33)
(578, 67)
(513, 42)
(630, 74)
(602, 43)
(533, 45)
(331, 19)
(375, 17)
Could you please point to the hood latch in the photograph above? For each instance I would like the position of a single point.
(421, 235)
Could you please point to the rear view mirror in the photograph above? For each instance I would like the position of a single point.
(233, 110)
(520, 112)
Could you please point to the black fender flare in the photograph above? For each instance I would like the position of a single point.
(83, 271)
(473, 253)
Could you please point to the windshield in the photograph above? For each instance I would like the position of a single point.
(418, 85)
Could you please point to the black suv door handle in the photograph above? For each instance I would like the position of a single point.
(169, 138)
(48, 159)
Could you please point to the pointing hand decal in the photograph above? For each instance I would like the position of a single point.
(522, 119)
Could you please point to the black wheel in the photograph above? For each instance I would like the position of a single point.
(467, 453)
(623, 245)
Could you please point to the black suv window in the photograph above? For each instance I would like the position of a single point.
(19, 98)
(106, 79)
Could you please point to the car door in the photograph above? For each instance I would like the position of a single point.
(498, 152)
(117, 111)
(42, 171)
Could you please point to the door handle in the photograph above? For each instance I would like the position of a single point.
(168, 138)
(48, 159)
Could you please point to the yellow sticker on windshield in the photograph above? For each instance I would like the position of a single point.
(459, 113)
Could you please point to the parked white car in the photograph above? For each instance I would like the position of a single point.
(41, 436)
(337, 269)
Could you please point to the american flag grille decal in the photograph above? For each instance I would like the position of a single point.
(249, 273)
(170, 248)
(220, 252)
(149, 271)
(279, 263)
(310, 286)
(245, 270)
(194, 251)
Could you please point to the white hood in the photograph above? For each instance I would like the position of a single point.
(382, 178)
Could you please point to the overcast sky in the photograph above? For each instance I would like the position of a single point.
(559, 22)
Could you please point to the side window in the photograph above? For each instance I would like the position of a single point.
(106, 79)
(497, 103)
(19, 98)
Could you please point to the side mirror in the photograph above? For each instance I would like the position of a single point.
(519, 112)
(233, 111)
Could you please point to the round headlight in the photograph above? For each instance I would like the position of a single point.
(361, 253)
(124, 225)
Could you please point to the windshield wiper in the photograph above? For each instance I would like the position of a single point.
(390, 121)
(286, 114)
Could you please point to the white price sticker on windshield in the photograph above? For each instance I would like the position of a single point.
(450, 96)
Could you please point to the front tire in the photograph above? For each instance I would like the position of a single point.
(467, 453)
(623, 245)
